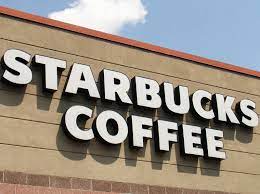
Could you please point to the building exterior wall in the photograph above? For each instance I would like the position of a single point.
(32, 141)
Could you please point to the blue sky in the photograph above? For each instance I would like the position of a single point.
(225, 30)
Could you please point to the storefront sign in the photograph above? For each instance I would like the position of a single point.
(145, 94)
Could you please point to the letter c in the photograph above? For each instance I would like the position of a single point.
(70, 123)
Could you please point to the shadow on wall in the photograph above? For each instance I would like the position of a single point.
(108, 154)
(5, 87)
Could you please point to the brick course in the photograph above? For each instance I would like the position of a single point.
(22, 183)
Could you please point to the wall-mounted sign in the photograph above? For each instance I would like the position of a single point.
(145, 93)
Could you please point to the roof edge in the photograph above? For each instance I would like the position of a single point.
(126, 41)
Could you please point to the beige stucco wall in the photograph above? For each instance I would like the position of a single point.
(31, 139)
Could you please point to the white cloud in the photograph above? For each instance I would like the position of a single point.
(104, 15)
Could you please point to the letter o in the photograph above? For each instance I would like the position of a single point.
(101, 129)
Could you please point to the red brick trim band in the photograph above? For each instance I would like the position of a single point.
(126, 41)
(15, 181)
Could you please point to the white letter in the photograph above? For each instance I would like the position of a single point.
(202, 97)
(139, 130)
(51, 67)
(246, 110)
(71, 127)
(223, 108)
(190, 143)
(16, 69)
(147, 93)
(165, 134)
(119, 124)
(115, 86)
(213, 144)
(78, 72)
(176, 100)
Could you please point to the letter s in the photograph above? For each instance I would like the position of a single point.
(246, 112)
(16, 70)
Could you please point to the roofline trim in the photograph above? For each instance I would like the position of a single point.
(126, 41)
